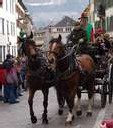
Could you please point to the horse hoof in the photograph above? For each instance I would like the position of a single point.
(45, 121)
(34, 119)
(60, 112)
(79, 113)
(68, 123)
(89, 114)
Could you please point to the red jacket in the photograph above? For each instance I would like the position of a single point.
(2, 76)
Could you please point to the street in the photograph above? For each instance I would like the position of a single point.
(17, 115)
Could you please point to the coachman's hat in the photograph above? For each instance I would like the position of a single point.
(83, 15)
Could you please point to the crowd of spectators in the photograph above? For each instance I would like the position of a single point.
(12, 79)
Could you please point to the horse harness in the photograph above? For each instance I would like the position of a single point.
(73, 65)
(37, 67)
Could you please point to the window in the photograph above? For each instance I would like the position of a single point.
(7, 27)
(12, 28)
(111, 23)
(10, 6)
(7, 5)
(0, 53)
(109, 3)
(108, 24)
(12, 52)
(68, 29)
(13, 6)
(1, 26)
(59, 29)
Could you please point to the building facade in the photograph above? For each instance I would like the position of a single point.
(24, 20)
(107, 21)
(63, 27)
(8, 35)
(109, 16)
(20, 15)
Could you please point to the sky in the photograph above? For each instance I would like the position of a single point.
(46, 12)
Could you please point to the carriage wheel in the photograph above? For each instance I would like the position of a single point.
(110, 83)
(103, 95)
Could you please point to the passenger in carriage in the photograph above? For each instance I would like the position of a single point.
(103, 43)
(99, 43)
(107, 41)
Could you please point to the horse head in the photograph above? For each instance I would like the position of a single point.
(56, 52)
(26, 45)
(32, 53)
(31, 48)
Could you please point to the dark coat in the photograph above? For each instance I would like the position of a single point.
(76, 35)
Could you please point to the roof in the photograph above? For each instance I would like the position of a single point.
(66, 21)
(22, 4)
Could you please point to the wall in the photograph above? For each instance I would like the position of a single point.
(8, 39)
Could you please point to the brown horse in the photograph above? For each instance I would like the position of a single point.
(68, 70)
(38, 77)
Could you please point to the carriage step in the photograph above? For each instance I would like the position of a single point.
(100, 70)
(99, 81)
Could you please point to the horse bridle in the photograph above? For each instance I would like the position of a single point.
(71, 51)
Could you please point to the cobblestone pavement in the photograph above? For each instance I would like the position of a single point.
(17, 115)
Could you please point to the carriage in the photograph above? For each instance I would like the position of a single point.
(103, 78)
(68, 77)
(103, 74)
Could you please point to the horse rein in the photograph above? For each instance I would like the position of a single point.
(62, 58)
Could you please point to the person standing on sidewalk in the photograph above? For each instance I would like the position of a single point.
(10, 85)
